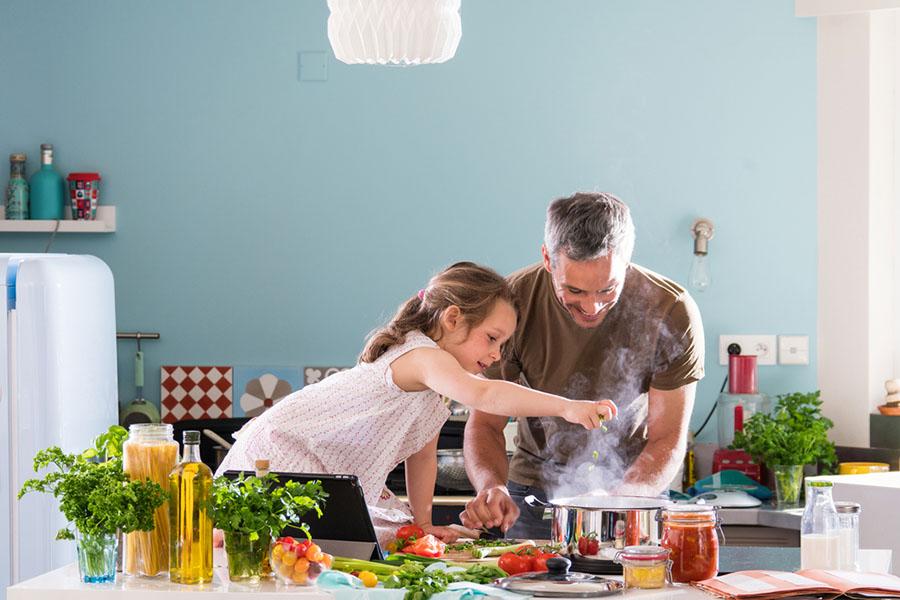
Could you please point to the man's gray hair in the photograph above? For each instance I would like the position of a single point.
(589, 225)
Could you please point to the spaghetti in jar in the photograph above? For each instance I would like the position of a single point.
(150, 452)
(689, 532)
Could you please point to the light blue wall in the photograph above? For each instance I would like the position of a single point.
(264, 220)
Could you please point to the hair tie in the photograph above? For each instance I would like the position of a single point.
(421, 294)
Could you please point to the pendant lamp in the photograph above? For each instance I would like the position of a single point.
(394, 32)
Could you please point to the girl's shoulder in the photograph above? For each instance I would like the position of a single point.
(414, 339)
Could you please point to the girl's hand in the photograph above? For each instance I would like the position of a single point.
(588, 413)
(445, 534)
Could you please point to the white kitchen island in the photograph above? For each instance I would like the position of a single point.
(64, 584)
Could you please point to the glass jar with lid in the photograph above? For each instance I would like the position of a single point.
(150, 452)
(848, 535)
(689, 532)
(645, 567)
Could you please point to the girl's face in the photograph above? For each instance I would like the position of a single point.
(477, 348)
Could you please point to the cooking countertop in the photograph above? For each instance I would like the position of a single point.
(64, 583)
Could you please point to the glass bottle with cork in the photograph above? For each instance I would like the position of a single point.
(190, 545)
(819, 529)
(17, 189)
(48, 190)
(261, 469)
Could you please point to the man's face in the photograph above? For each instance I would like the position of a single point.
(588, 289)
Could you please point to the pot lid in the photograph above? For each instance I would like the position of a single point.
(558, 582)
(611, 502)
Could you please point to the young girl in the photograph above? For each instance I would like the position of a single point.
(389, 407)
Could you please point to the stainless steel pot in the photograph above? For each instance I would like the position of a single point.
(612, 521)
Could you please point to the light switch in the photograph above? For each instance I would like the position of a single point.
(793, 349)
(312, 66)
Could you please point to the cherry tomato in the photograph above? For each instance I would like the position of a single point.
(368, 578)
(588, 545)
(514, 563)
(314, 553)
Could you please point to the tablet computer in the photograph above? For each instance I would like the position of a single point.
(345, 527)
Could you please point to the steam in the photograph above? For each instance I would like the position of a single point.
(582, 462)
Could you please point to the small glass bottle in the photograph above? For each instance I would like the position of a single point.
(150, 452)
(17, 189)
(48, 190)
(848, 535)
(190, 540)
(819, 545)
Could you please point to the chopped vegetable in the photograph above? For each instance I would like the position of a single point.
(484, 552)
(427, 545)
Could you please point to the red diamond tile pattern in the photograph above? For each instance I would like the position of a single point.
(195, 392)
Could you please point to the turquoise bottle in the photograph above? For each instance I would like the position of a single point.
(48, 190)
(17, 189)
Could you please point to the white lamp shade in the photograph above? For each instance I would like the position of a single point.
(394, 32)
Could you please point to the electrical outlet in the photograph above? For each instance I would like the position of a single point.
(793, 349)
(763, 346)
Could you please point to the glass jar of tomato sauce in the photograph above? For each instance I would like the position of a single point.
(689, 532)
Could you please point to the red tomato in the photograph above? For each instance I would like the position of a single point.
(428, 546)
(540, 560)
(514, 563)
(408, 531)
(588, 545)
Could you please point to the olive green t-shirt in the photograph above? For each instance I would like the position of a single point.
(652, 337)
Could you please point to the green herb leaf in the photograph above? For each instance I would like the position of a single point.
(794, 433)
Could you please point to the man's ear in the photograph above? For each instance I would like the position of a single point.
(451, 318)
(546, 256)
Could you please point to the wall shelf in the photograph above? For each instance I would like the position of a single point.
(105, 223)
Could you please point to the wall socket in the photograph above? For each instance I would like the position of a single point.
(763, 346)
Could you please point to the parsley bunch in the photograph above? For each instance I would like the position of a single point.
(97, 496)
(795, 433)
(260, 505)
(421, 584)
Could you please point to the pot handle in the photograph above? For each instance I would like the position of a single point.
(535, 502)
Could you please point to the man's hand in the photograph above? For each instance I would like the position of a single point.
(492, 507)
(445, 534)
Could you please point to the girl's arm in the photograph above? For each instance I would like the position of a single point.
(421, 473)
(438, 370)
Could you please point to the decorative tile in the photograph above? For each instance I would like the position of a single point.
(195, 392)
(259, 388)
(316, 374)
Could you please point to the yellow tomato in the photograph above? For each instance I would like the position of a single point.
(327, 560)
(368, 578)
(286, 570)
(314, 553)
(277, 551)
(289, 558)
(301, 566)
(299, 577)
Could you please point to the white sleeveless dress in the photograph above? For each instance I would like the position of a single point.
(354, 422)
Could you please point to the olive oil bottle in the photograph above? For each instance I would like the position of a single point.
(190, 547)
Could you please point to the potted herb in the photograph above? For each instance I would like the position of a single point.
(794, 434)
(98, 498)
(251, 511)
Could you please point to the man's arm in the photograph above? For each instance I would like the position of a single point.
(669, 414)
(484, 448)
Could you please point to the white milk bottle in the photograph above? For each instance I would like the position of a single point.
(819, 529)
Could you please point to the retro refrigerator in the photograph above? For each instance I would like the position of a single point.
(57, 387)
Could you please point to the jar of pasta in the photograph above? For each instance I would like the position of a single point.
(150, 452)
(689, 532)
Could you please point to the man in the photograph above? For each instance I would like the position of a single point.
(592, 325)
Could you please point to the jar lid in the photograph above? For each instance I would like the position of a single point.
(558, 582)
(847, 507)
(83, 177)
(648, 553)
